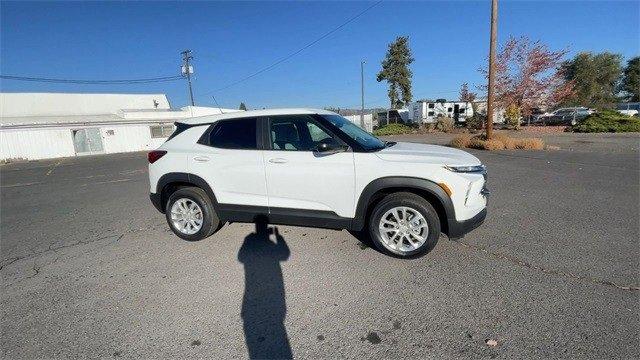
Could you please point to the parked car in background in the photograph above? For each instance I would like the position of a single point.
(534, 118)
(630, 112)
(565, 116)
(629, 109)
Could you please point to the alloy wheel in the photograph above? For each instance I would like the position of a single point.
(186, 216)
(403, 229)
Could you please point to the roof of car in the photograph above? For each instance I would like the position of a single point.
(252, 113)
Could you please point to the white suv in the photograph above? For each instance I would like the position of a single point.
(314, 168)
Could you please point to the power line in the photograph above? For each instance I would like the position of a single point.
(267, 68)
(91, 82)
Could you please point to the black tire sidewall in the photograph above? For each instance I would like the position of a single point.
(210, 221)
(412, 201)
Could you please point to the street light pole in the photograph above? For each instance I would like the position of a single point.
(492, 70)
(362, 94)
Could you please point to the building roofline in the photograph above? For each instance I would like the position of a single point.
(77, 93)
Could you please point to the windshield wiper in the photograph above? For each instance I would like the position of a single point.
(389, 143)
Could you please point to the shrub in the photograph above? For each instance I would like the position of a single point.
(493, 144)
(498, 142)
(530, 144)
(512, 116)
(508, 142)
(393, 129)
(476, 122)
(461, 141)
(476, 143)
(607, 121)
(445, 124)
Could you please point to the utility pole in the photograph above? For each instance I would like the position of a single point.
(187, 70)
(362, 94)
(492, 69)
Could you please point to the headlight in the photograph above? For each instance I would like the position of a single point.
(467, 169)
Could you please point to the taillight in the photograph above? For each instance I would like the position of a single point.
(154, 155)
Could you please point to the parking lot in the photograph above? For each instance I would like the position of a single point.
(90, 269)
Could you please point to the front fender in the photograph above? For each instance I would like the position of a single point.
(399, 183)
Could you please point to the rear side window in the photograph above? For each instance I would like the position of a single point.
(234, 134)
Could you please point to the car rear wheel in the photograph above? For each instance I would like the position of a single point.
(190, 214)
(404, 225)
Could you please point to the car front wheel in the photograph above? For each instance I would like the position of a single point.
(404, 225)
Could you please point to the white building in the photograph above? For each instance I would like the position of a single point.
(51, 125)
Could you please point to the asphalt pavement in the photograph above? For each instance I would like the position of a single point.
(90, 269)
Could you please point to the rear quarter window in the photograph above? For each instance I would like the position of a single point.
(180, 127)
(232, 134)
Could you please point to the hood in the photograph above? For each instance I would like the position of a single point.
(424, 153)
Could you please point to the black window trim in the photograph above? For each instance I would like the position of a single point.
(264, 137)
(322, 122)
(205, 137)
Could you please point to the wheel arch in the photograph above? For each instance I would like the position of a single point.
(379, 188)
(170, 182)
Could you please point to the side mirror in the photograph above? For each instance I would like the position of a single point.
(328, 148)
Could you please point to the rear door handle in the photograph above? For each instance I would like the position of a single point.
(201, 158)
(278, 160)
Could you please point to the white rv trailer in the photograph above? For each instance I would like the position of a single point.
(427, 112)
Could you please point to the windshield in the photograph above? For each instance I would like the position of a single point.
(366, 140)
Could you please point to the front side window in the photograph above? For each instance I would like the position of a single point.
(363, 138)
(297, 133)
(234, 134)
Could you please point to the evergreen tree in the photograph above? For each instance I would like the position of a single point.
(395, 70)
(631, 79)
(242, 106)
(595, 78)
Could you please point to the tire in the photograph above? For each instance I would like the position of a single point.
(409, 245)
(210, 223)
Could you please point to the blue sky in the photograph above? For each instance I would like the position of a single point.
(230, 40)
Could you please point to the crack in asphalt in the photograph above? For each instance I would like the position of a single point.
(52, 249)
(528, 265)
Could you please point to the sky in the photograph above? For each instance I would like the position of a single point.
(231, 40)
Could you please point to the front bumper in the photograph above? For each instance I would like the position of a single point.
(156, 200)
(458, 229)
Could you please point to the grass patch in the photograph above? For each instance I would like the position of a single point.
(498, 142)
(393, 129)
(609, 121)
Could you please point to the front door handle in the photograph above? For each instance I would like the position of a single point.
(201, 158)
(278, 160)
